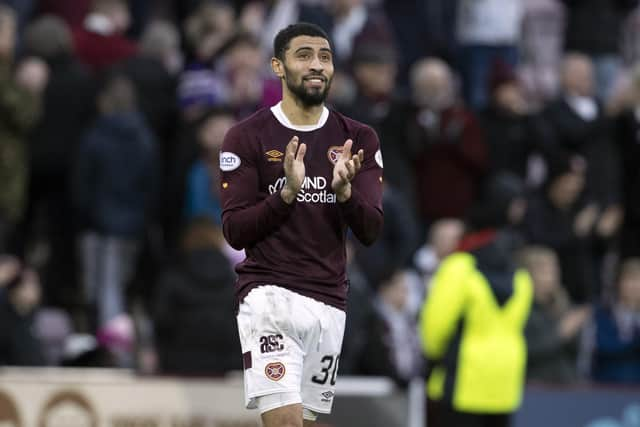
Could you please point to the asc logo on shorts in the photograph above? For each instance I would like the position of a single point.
(274, 371)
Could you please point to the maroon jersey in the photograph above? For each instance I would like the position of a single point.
(300, 246)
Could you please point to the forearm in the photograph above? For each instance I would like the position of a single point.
(246, 226)
(364, 219)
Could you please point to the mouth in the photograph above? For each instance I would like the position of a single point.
(315, 81)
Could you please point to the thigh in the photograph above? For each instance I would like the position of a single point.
(290, 415)
(322, 360)
(272, 352)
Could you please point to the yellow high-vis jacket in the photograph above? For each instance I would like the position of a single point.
(472, 332)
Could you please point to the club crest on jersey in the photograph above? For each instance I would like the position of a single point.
(274, 156)
(334, 152)
(275, 371)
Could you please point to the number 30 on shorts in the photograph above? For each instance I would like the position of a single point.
(329, 369)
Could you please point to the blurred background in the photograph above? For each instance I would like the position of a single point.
(112, 113)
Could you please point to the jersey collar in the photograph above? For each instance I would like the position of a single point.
(284, 121)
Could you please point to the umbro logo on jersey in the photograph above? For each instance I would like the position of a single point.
(274, 156)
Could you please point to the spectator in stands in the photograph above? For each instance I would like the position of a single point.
(153, 70)
(580, 128)
(560, 218)
(486, 30)
(594, 28)
(241, 67)
(18, 305)
(433, 146)
(513, 133)
(53, 146)
(541, 49)
(114, 191)
(397, 242)
(443, 239)
(195, 327)
(627, 136)
(203, 181)
(20, 101)
(421, 29)
(154, 73)
(473, 320)
(374, 71)
(360, 303)
(555, 325)
(101, 42)
(391, 345)
(207, 30)
(613, 343)
(73, 12)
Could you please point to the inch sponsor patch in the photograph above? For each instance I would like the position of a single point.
(229, 161)
(334, 152)
(378, 158)
(275, 371)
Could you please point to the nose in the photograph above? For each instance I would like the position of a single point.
(316, 64)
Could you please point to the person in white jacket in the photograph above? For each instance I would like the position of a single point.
(486, 30)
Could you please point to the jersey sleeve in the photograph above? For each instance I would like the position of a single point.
(363, 211)
(246, 218)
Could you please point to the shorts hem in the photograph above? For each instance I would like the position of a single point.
(279, 405)
(272, 391)
(316, 409)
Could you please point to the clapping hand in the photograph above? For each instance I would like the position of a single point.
(345, 170)
(294, 169)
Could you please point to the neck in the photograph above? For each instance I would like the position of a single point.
(299, 114)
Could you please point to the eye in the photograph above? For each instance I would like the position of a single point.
(304, 55)
(325, 57)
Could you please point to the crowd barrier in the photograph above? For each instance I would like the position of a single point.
(56, 397)
(601, 406)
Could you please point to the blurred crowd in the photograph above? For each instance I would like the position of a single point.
(113, 113)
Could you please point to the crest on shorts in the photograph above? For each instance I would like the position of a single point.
(334, 152)
(275, 371)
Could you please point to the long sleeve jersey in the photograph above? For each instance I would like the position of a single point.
(300, 246)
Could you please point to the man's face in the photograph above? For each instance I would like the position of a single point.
(308, 69)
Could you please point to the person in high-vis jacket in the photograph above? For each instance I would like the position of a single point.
(473, 319)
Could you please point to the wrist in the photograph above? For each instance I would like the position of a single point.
(345, 194)
(288, 195)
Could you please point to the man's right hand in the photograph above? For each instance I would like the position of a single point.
(294, 170)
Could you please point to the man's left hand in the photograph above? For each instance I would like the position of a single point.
(345, 170)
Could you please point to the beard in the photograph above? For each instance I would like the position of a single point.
(308, 96)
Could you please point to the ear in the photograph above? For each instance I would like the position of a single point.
(278, 67)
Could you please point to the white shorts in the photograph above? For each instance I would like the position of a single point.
(290, 344)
